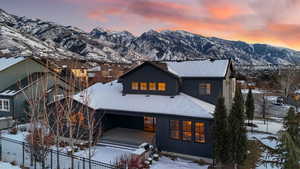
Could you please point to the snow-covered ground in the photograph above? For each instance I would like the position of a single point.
(106, 154)
(4, 165)
(263, 133)
(271, 127)
(167, 163)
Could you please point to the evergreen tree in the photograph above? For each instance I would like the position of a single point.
(289, 152)
(221, 149)
(237, 130)
(250, 105)
(291, 125)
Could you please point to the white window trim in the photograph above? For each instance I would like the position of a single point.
(2, 105)
(58, 97)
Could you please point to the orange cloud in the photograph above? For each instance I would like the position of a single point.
(251, 21)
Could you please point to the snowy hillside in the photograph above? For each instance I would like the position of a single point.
(106, 45)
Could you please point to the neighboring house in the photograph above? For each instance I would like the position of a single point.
(21, 79)
(106, 72)
(169, 105)
(75, 68)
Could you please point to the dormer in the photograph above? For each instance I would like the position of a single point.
(150, 78)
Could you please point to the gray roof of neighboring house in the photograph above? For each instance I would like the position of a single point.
(6, 62)
(21, 84)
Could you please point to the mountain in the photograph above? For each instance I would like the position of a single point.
(25, 36)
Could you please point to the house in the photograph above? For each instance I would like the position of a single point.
(167, 104)
(23, 78)
(106, 72)
(66, 68)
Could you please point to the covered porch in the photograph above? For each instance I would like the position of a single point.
(125, 136)
(126, 129)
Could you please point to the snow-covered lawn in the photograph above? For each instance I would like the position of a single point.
(4, 165)
(105, 154)
(263, 133)
(271, 127)
(167, 163)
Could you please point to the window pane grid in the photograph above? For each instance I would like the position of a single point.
(174, 129)
(187, 130)
(204, 88)
(143, 86)
(199, 132)
(162, 86)
(135, 86)
(152, 86)
(4, 105)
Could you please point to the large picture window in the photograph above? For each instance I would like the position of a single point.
(174, 129)
(204, 89)
(4, 105)
(162, 86)
(187, 130)
(199, 132)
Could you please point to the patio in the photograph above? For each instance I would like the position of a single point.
(128, 136)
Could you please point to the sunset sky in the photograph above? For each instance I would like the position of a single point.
(275, 22)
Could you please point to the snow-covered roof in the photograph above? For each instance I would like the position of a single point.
(10, 61)
(199, 68)
(297, 91)
(95, 69)
(109, 96)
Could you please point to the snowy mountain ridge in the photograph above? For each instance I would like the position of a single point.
(25, 36)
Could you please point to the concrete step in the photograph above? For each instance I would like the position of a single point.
(116, 144)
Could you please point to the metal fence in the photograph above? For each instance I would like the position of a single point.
(14, 151)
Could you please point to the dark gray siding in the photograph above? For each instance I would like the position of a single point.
(165, 143)
(149, 73)
(134, 120)
(190, 86)
(5, 113)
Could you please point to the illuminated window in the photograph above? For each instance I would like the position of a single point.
(149, 124)
(174, 129)
(187, 130)
(152, 86)
(204, 88)
(143, 86)
(199, 132)
(162, 86)
(134, 85)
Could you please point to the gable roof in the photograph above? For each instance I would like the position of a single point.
(157, 66)
(199, 68)
(22, 84)
(100, 96)
(6, 62)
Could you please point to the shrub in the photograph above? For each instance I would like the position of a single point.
(14, 163)
(130, 162)
(39, 143)
(13, 131)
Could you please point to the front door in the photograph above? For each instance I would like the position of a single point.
(149, 124)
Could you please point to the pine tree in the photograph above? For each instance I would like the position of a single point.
(221, 149)
(250, 105)
(237, 130)
(291, 125)
(289, 152)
